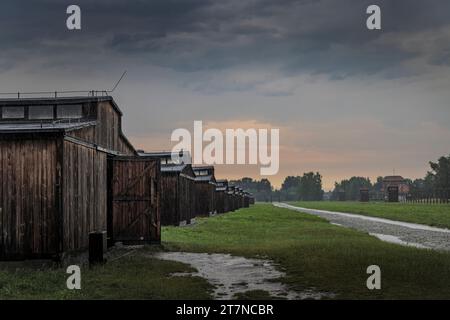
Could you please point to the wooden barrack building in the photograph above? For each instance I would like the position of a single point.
(205, 183)
(66, 169)
(177, 189)
(221, 196)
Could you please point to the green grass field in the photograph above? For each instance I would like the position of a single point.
(437, 215)
(132, 277)
(315, 253)
(312, 252)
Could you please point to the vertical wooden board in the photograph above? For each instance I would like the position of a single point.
(193, 199)
(3, 184)
(6, 199)
(96, 219)
(33, 222)
(74, 201)
(42, 197)
(2, 223)
(20, 222)
(69, 176)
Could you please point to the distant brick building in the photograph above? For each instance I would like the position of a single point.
(395, 181)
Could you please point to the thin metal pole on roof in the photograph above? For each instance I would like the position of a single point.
(120, 79)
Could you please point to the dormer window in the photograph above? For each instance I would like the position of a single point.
(69, 111)
(13, 113)
(40, 112)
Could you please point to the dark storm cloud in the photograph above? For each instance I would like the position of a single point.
(192, 35)
(252, 61)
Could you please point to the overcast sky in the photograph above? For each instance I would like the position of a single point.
(348, 101)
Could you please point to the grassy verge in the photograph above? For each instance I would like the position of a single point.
(312, 252)
(131, 277)
(317, 254)
(437, 215)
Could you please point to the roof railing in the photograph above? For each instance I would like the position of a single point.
(56, 94)
(59, 94)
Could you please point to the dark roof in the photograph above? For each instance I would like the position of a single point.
(222, 183)
(155, 154)
(14, 127)
(208, 177)
(204, 178)
(203, 168)
(173, 168)
(393, 178)
(161, 154)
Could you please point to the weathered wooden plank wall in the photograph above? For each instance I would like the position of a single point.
(27, 197)
(84, 194)
(177, 199)
(220, 201)
(107, 132)
(205, 199)
(246, 201)
(236, 201)
(228, 204)
(170, 207)
(187, 191)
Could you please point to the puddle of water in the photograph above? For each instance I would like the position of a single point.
(230, 275)
(397, 240)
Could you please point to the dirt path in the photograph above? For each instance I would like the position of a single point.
(404, 233)
(231, 275)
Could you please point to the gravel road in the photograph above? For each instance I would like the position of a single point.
(404, 233)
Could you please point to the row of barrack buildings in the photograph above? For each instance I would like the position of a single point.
(67, 170)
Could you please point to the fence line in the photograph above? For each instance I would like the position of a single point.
(438, 197)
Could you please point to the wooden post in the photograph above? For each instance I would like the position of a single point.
(97, 247)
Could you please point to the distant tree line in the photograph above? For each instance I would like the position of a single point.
(436, 181)
(305, 188)
(308, 187)
(261, 189)
(351, 187)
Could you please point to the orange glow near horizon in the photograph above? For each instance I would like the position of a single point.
(310, 147)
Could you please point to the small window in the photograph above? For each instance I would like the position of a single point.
(70, 111)
(40, 112)
(13, 112)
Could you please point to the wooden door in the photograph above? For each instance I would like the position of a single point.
(133, 206)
